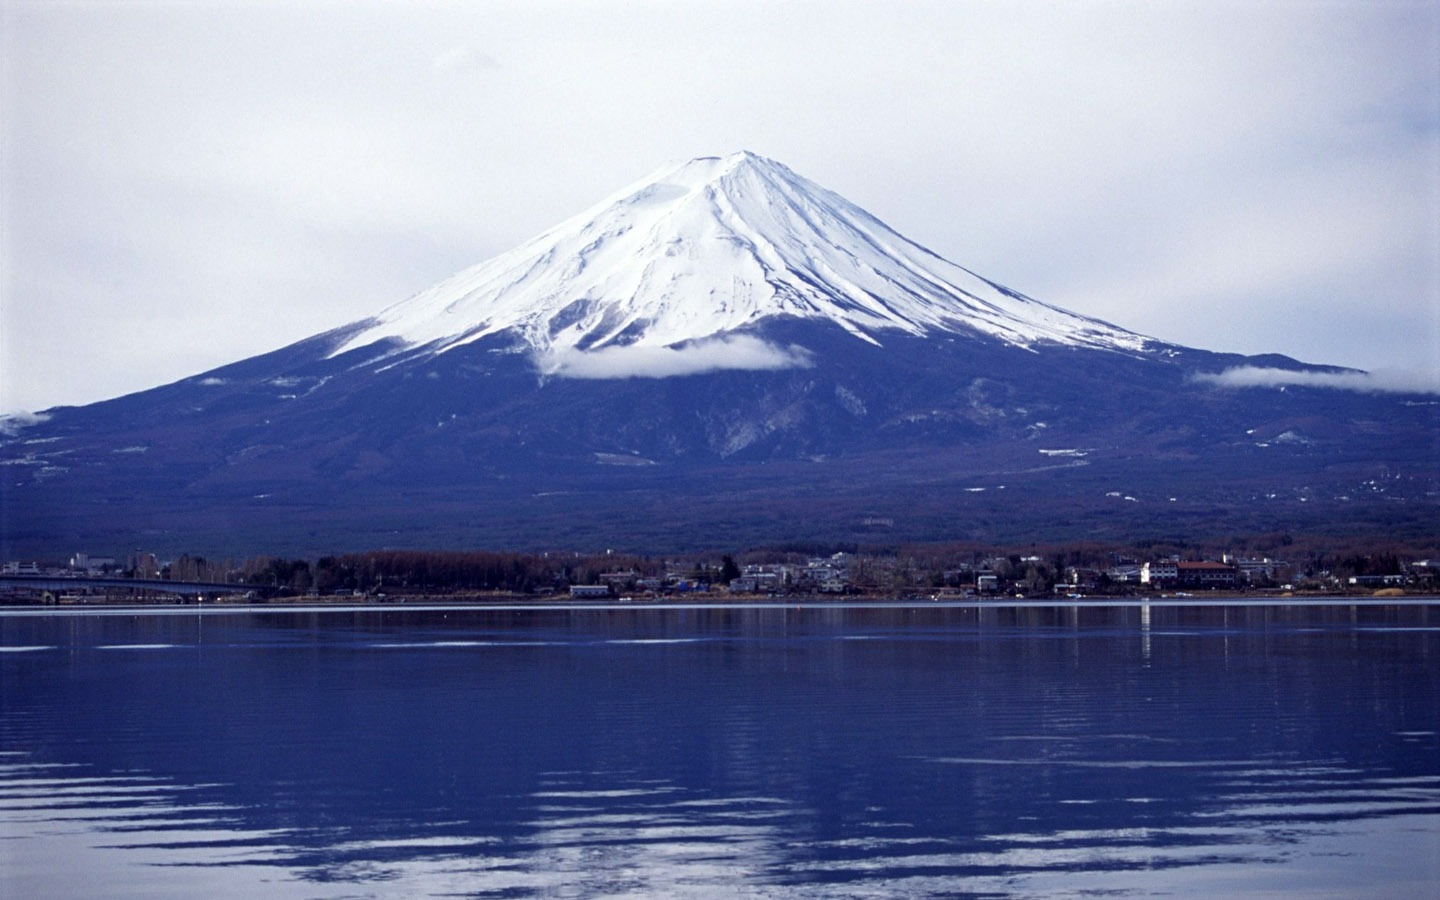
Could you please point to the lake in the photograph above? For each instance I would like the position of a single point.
(1240, 749)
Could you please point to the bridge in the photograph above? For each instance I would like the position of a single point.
(66, 583)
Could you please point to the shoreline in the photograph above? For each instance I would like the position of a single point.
(434, 604)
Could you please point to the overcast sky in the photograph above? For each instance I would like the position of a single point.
(185, 185)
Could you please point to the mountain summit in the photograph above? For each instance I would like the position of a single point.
(721, 355)
(709, 247)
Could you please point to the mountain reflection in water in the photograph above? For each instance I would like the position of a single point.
(703, 751)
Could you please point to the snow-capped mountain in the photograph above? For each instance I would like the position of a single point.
(808, 375)
(710, 246)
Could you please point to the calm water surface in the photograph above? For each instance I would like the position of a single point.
(1239, 750)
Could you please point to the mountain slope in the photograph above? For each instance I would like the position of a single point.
(724, 354)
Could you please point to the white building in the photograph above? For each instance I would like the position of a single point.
(590, 591)
(1163, 572)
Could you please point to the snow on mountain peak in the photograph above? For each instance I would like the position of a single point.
(701, 249)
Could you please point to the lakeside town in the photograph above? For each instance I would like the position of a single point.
(907, 574)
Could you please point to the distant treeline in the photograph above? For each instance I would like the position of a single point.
(880, 567)
(440, 570)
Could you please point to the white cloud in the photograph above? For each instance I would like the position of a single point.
(13, 423)
(740, 352)
(1391, 381)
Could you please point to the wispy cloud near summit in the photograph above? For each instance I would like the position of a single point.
(740, 352)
